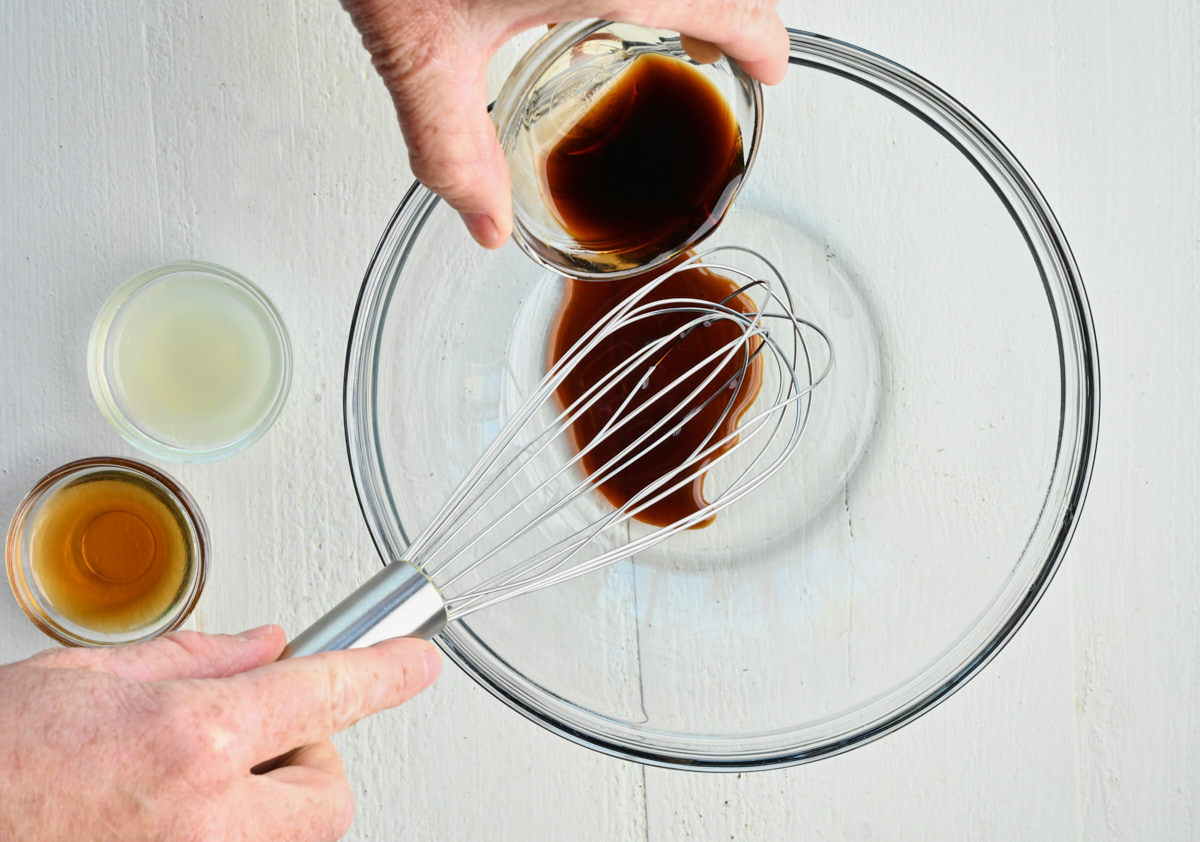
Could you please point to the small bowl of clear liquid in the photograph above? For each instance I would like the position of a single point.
(190, 361)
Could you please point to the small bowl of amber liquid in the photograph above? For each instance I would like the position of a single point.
(107, 551)
(624, 151)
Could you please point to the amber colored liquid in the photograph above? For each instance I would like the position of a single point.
(109, 553)
(587, 301)
(655, 161)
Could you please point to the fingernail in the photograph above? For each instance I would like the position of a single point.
(258, 633)
(482, 228)
(433, 665)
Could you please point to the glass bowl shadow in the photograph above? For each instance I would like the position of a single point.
(933, 497)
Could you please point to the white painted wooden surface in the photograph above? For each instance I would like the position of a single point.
(254, 134)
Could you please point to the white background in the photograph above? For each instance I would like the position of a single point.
(254, 134)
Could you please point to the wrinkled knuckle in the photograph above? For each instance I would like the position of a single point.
(394, 62)
(410, 39)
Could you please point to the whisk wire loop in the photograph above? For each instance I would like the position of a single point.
(619, 420)
(556, 561)
(661, 430)
(526, 577)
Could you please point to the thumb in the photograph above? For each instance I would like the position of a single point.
(452, 145)
(178, 655)
(438, 82)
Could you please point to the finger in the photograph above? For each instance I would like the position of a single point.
(178, 655)
(702, 52)
(310, 799)
(436, 74)
(749, 31)
(453, 150)
(297, 702)
(762, 50)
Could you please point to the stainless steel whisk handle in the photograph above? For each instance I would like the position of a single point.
(398, 601)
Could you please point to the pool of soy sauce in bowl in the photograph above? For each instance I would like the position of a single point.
(933, 496)
(674, 393)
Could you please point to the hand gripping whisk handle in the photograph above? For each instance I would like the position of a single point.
(398, 601)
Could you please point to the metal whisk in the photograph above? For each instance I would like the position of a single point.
(527, 516)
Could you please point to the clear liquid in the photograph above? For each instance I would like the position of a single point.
(195, 363)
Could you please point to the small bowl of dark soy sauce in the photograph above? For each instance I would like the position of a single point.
(624, 151)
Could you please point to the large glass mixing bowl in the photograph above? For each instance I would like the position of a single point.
(931, 501)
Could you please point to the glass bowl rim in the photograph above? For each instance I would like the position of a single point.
(182, 500)
(128, 427)
(892, 81)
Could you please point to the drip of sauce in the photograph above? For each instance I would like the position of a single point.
(109, 553)
(651, 166)
(583, 305)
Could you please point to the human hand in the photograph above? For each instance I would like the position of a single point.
(156, 740)
(433, 55)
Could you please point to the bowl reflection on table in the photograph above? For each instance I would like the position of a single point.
(930, 502)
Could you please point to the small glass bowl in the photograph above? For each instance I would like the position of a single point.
(551, 87)
(190, 361)
(23, 536)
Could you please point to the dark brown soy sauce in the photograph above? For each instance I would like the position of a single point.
(656, 160)
(583, 305)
